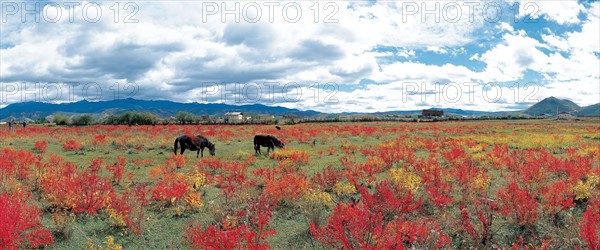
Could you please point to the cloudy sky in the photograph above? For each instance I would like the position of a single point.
(328, 56)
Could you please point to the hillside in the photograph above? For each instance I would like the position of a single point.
(592, 110)
(552, 106)
(162, 109)
(165, 109)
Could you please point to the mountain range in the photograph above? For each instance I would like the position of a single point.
(164, 109)
(553, 106)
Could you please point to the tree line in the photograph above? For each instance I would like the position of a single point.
(141, 118)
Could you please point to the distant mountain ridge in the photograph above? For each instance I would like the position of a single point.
(160, 108)
(553, 106)
(165, 109)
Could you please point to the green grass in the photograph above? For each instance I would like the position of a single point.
(162, 229)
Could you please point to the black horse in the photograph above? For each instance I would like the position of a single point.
(194, 143)
(268, 141)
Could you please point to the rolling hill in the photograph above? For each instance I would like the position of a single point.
(592, 110)
(552, 106)
(165, 109)
(162, 109)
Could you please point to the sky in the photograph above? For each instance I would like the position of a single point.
(329, 56)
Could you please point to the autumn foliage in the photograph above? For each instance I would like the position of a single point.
(468, 185)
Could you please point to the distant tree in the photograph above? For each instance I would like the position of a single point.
(131, 118)
(41, 120)
(185, 118)
(60, 119)
(82, 120)
(111, 120)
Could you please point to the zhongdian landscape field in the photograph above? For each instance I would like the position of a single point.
(518, 184)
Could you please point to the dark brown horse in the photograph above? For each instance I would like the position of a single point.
(268, 141)
(194, 143)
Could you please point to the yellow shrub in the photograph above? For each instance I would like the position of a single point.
(405, 179)
(196, 180)
(315, 196)
(195, 200)
(344, 189)
(583, 190)
(116, 218)
(110, 244)
(482, 181)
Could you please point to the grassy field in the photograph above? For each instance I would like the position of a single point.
(463, 184)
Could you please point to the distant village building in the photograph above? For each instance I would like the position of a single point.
(432, 112)
(265, 117)
(565, 115)
(234, 117)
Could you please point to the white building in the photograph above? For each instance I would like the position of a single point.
(565, 115)
(233, 117)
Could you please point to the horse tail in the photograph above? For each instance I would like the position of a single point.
(175, 146)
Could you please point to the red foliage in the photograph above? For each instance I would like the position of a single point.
(99, 140)
(41, 146)
(484, 209)
(327, 179)
(289, 186)
(117, 169)
(260, 210)
(250, 236)
(357, 227)
(350, 227)
(16, 163)
(72, 145)
(170, 188)
(20, 225)
(519, 203)
(131, 206)
(388, 200)
(590, 225)
(556, 197)
(213, 237)
(81, 192)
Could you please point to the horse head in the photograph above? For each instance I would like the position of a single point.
(277, 142)
(211, 149)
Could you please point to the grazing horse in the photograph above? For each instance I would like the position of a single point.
(278, 128)
(194, 143)
(268, 141)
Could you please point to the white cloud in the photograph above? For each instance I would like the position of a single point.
(562, 12)
(509, 60)
(171, 51)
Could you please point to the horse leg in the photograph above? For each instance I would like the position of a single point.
(201, 150)
(183, 148)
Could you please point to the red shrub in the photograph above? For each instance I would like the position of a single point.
(131, 207)
(556, 197)
(388, 200)
(41, 146)
(355, 227)
(289, 186)
(72, 145)
(519, 203)
(590, 224)
(213, 237)
(20, 225)
(117, 169)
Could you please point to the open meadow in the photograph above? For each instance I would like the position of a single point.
(379, 185)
